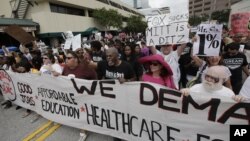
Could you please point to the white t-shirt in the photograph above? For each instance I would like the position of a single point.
(172, 59)
(46, 69)
(199, 89)
(245, 90)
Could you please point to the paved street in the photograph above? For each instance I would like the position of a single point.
(15, 128)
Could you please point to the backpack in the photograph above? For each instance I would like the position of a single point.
(197, 79)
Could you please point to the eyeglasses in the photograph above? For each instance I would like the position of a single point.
(214, 79)
(69, 58)
(154, 64)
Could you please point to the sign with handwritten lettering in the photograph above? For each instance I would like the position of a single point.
(208, 40)
(167, 29)
(139, 111)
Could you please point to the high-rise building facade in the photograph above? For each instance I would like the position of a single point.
(133, 3)
(198, 7)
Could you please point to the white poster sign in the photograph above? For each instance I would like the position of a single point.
(138, 111)
(208, 40)
(172, 33)
(170, 27)
(68, 43)
(165, 19)
(76, 42)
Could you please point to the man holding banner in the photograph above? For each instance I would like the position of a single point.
(212, 83)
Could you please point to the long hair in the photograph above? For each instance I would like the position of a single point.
(163, 71)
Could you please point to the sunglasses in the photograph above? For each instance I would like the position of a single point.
(214, 79)
(154, 64)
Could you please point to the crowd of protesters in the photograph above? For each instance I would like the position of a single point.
(129, 59)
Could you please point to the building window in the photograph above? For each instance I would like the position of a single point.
(90, 13)
(198, 5)
(119, 6)
(66, 10)
(206, 9)
(197, 0)
(207, 3)
(199, 10)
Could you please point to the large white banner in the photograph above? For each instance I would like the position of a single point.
(136, 111)
(208, 40)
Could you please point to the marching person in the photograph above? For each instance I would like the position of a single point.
(50, 66)
(158, 72)
(171, 57)
(212, 85)
(77, 69)
(114, 68)
(236, 62)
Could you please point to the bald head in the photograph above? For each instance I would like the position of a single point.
(112, 56)
(112, 50)
(214, 78)
(218, 71)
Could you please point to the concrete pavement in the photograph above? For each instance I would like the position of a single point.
(15, 128)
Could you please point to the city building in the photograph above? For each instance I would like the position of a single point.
(57, 16)
(133, 3)
(199, 7)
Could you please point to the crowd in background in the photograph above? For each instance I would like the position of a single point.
(129, 59)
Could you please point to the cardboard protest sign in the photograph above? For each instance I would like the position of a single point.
(19, 34)
(76, 42)
(171, 33)
(138, 111)
(240, 23)
(169, 28)
(68, 37)
(208, 40)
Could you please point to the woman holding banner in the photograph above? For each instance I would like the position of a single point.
(158, 71)
(76, 69)
(49, 65)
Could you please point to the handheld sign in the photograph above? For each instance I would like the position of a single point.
(167, 29)
(170, 28)
(76, 42)
(68, 36)
(240, 23)
(208, 40)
